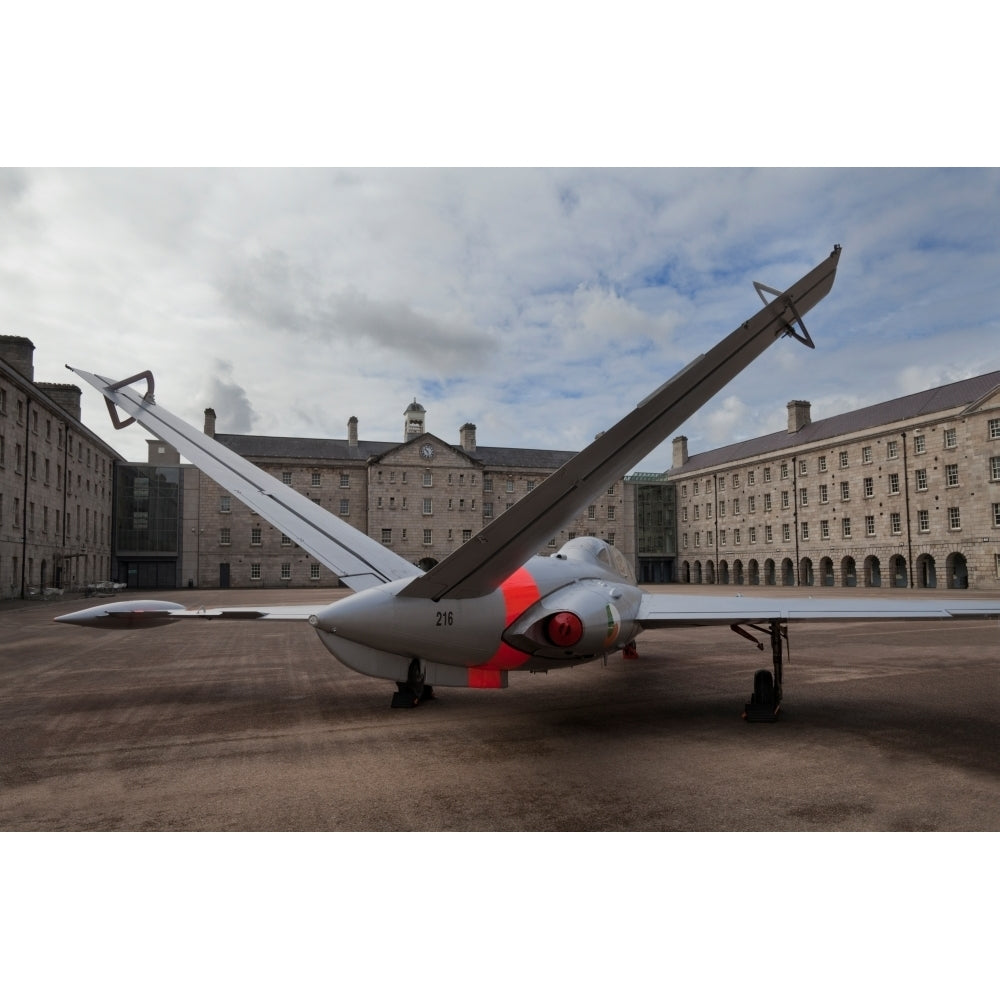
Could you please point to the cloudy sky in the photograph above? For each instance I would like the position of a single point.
(540, 304)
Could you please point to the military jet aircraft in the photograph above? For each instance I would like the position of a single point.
(493, 605)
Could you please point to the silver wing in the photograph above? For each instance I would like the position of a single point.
(151, 614)
(358, 560)
(682, 610)
(489, 558)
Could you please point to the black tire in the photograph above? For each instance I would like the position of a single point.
(763, 688)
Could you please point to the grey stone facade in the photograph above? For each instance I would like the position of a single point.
(422, 497)
(55, 483)
(905, 493)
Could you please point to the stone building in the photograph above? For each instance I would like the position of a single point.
(905, 493)
(55, 483)
(420, 496)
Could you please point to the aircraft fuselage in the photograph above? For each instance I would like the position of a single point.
(555, 611)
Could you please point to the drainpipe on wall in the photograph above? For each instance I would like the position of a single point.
(715, 491)
(24, 501)
(796, 575)
(906, 495)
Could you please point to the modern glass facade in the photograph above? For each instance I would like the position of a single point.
(147, 525)
(655, 526)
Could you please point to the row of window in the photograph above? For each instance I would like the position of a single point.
(428, 479)
(33, 464)
(846, 528)
(256, 537)
(950, 440)
(428, 535)
(920, 482)
(344, 506)
(90, 455)
(529, 485)
(94, 523)
(286, 571)
(316, 480)
(428, 504)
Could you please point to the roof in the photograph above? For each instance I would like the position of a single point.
(912, 407)
(520, 458)
(255, 446)
(325, 449)
(35, 389)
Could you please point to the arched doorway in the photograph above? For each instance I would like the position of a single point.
(873, 572)
(787, 573)
(958, 571)
(738, 573)
(848, 572)
(709, 572)
(768, 572)
(897, 571)
(826, 572)
(696, 574)
(685, 572)
(806, 572)
(428, 562)
(723, 571)
(926, 571)
(753, 573)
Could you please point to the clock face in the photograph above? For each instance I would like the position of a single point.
(427, 451)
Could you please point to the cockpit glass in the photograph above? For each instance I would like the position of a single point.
(600, 552)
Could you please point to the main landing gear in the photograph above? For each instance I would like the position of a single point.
(765, 702)
(413, 691)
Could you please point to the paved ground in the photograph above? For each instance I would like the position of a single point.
(243, 726)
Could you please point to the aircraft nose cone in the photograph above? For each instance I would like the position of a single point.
(329, 619)
(363, 617)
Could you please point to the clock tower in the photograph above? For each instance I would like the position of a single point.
(413, 421)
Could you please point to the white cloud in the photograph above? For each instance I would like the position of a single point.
(233, 409)
(916, 378)
(539, 304)
(726, 421)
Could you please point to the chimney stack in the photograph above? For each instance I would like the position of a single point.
(65, 396)
(352, 432)
(798, 415)
(467, 437)
(19, 353)
(210, 422)
(680, 451)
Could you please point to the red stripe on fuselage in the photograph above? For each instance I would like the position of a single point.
(480, 677)
(519, 592)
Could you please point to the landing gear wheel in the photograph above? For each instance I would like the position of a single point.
(765, 702)
(413, 691)
(763, 688)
